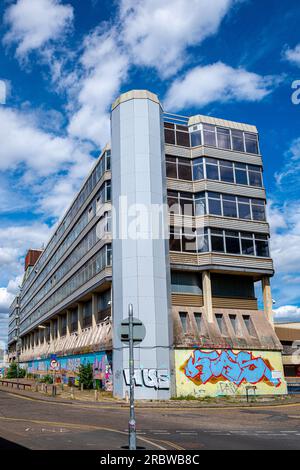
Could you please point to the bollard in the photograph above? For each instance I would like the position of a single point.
(127, 396)
(72, 394)
(36, 387)
(96, 395)
(81, 387)
(53, 391)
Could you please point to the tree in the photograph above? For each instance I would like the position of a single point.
(86, 376)
(12, 372)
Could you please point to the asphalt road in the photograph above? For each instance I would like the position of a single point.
(31, 424)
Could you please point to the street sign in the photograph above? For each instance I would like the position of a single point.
(54, 365)
(139, 331)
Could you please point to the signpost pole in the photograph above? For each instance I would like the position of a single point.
(132, 421)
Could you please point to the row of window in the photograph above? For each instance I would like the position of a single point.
(209, 203)
(213, 169)
(86, 244)
(103, 310)
(103, 196)
(220, 321)
(104, 164)
(212, 136)
(219, 241)
(94, 266)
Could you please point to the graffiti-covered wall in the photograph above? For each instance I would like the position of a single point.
(227, 372)
(68, 367)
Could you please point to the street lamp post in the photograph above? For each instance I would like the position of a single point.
(18, 342)
(132, 421)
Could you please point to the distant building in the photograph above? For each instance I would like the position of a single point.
(289, 336)
(192, 286)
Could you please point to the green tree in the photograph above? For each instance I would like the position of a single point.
(86, 377)
(12, 372)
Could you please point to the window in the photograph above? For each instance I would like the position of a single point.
(244, 208)
(232, 242)
(251, 143)
(202, 241)
(198, 320)
(189, 241)
(212, 169)
(217, 240)
(87, 314)
(169, 136)
(175, 239)
(186, 201)
(186, 282)
(184, 321)
(209, 135)
(184, 169)
(198, 173)
(74, 321)
(173, 202)
(200, 204)
(255, 176)
(262, 246)
(214, 204)
(171, 167)
(241, 173)
(237, 141)
(247, 244)
(63, 325)
(196, 139)
(258, 209)
(229, 206)
(183, 139)
(223, 138)
(226, 172)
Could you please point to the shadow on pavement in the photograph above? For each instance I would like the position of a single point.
(8, 445)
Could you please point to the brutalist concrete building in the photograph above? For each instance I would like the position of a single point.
(172, 219)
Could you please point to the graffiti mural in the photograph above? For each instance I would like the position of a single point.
(150, 378)
(69, 367)
(237, 368)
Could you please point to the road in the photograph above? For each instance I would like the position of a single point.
(32, 424)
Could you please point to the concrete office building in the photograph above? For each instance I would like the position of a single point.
(171, 219)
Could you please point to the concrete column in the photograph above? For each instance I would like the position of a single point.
(39, 337)
(32, 340)
(94, 309)
(267, 295)
(59, 327)
(207, 296)
(69, 322)
(51, 331)
(80, 318)
(141, 268)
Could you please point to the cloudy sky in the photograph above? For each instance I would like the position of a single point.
(62, 63)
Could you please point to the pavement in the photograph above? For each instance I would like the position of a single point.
(32, 423)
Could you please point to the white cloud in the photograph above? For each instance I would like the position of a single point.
(2, 92)
(287, 313)
(157, 33)
(285, 241)
(6, 299)
(217, 82)
(43, 152)
(33, 23)
(103, 69)
(293, 55)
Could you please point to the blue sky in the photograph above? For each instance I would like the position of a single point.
(62, 63)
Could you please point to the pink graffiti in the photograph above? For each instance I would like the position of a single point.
(203, 367)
